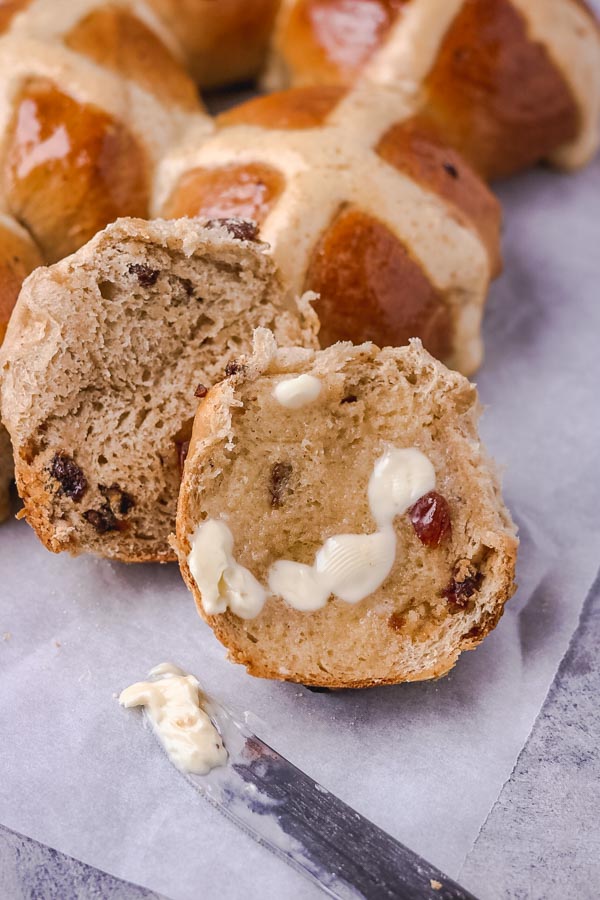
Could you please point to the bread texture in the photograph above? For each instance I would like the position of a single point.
(286, 480)
(104, 359)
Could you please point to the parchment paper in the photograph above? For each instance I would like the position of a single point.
(425, 762)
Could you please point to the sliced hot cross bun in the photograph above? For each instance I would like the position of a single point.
(18, 257)
(507, 82)
(339, 522)
(104, 358)
(359, 202)
(92, 94)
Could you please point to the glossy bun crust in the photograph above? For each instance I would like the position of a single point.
(223, 41)
(93, 94)
(360, 203)
(507, 82)
(97, 94)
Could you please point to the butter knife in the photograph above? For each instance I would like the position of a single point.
(313, 831)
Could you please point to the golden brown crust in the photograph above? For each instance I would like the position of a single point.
(53, 142)
(9, 9)
(439, 222)
(329, 41)
(118, 40)
(413, 147)
(504, 84)
(224, 41)
(370, 288)
(244, 191)
(18, 257)
(476, 96)
(300, 108)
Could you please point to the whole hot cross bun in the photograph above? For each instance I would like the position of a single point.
(92, 94)
(359, 202)
(507, 82)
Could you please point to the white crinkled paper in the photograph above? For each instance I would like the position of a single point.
(424, 761)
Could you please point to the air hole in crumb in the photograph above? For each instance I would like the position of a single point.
(107, 290)
(102, 460)
(187, 285)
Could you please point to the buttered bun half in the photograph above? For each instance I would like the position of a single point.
(340, 523)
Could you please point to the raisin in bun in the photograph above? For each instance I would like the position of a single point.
(18, 257)
(379, 447)
(360, 203)
(105, 356)
(507, 82)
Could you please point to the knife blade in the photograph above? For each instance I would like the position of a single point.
(308, 827)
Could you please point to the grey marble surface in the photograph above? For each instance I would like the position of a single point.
(542, 839)
(31, 871)
(540, 842)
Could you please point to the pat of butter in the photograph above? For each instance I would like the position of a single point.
(174, 705)
(399, 479)
(350, 566)
(294, 393)
(222, 582)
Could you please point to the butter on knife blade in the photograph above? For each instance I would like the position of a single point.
(277, 804)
